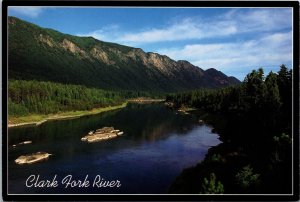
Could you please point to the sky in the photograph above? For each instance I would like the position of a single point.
(232, 40)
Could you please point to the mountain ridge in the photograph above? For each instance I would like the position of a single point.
(49, 55)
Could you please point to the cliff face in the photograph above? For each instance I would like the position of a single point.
(45, 54)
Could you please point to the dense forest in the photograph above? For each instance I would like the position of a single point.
(36, 97)
(254, 121)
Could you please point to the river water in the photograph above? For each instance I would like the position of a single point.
(158, 143)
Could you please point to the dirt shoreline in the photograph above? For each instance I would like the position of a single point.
(145, 100)
(62, 117)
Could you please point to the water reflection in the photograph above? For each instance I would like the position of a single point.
(157, 144)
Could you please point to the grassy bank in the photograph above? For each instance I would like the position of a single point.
(37, 119)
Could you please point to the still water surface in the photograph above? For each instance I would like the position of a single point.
(158, 143)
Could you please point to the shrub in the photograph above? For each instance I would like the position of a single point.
(246, 178)
(212, 186)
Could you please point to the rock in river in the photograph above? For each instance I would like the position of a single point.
(32, 158)
(104, 133)
(23, 143)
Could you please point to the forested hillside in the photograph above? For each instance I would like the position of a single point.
(36, 53)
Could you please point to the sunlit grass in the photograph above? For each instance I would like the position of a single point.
(36, 118)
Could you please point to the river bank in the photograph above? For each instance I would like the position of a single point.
(145, 100)
(38, 119)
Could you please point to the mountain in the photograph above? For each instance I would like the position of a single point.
(221, 77)
(36, 53)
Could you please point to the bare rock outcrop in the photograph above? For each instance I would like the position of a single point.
(32, 158)
(101, 134)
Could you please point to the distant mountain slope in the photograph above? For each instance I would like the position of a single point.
(45, 54)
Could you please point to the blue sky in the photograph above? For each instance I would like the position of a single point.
(232, 40)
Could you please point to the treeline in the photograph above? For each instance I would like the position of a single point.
(261, 103)
(254, 121)
(36, 97)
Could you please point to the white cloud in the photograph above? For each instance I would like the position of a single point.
(186, 29)
(263, 19)
(236, 21)
(183, 30)
(232, 57)
(29, 11)
(108, 33)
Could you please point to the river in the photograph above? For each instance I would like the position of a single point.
(158, 143)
